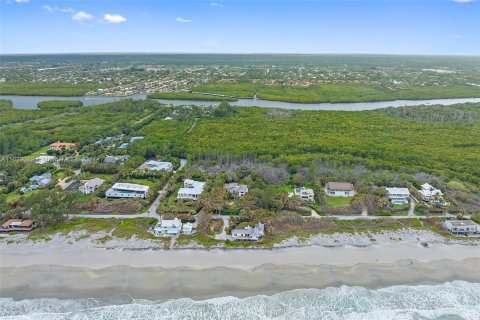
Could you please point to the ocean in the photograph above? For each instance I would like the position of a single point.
(451, 300)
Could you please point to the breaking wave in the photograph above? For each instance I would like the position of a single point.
(452, 300)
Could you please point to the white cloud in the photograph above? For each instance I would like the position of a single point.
(82, 16)
(114, 18)
(216, 4)
(21, 1)
(463, 1)
(459, 36)
(57, 9)
(49, 9)
(183, 20)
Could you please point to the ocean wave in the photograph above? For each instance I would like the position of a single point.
(452, 300)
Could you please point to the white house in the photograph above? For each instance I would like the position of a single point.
(188, 228)
(238, 190)
(43, 159)
(127, 190)
(304, 193)
(191, 190)
(339, 189)
(168, 227)
(466, 227)
(248, 233)
(154, 165)
(91, 185)
(428, 192)
(398, 195)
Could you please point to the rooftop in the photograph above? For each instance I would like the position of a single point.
(130, 187)
(462, 223)
(95, 182)
(192, 187)
(170, 223)
(339, 186)
(157, 165)
(398, 190)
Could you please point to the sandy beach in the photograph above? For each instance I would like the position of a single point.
(156, 283)
(137, 269)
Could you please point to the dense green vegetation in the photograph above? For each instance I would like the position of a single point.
(46, 89)
(5, 105)
(371, 138)
(269, 150)
(84, 125)
(185, 95)
(333, 92)
(59, 104)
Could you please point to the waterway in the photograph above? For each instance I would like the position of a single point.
(30, 102)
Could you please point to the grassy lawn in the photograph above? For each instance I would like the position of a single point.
(338, 201)
(39, 152)
(106, 177)
(12, 196)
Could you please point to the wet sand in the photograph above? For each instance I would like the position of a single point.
(122, 283)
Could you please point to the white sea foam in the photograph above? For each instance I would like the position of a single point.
(453, 300)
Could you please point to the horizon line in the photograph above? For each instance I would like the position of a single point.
(238, 53)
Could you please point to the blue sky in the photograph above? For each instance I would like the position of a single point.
(396, 27)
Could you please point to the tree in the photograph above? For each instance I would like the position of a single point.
(47, 207)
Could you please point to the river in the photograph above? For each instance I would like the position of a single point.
(30, 102)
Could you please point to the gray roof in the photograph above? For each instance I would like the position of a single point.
(462, 223)
(340, 186)
(235, 187)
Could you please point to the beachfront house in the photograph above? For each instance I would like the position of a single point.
(188, 228)
(154, 165)
(42, 180)
(168, 227)
(191, 190)
(248, 233)
(464, 227)
(58, 146)
(127, 190)
(304, 194)
(18, 225)
(429, 192)
(339, 189)
(89, 186)
(237, 190)
(398, 195)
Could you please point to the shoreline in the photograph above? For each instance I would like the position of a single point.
(123, 283)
